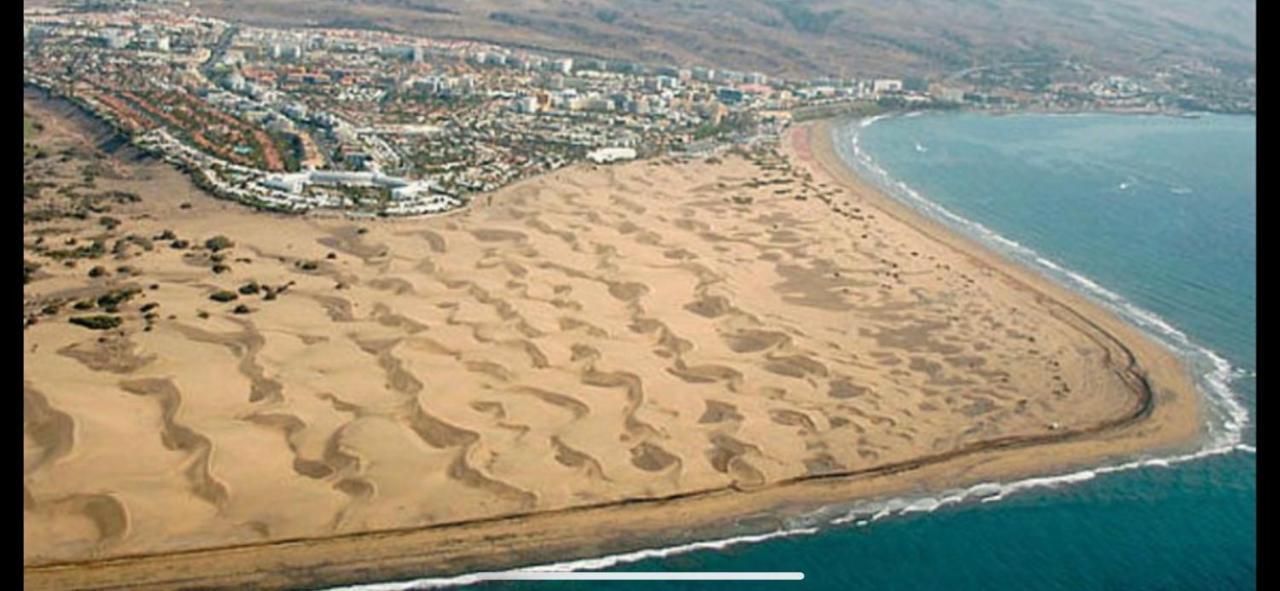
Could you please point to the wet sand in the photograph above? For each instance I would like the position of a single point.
(605, 358)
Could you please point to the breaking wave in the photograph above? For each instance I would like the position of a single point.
(1229, 418)
(586, 563)
(1226, 425)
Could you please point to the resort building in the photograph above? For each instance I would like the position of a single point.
(607, 155)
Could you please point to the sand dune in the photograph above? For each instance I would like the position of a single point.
(596, 335)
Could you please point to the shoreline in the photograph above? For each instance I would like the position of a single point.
(1171, 369)
(1164, 414)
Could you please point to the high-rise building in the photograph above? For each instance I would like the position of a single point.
(526, 104)
(563, 66)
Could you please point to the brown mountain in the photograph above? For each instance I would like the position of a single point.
(816, 37)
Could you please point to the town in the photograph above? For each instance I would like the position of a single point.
(371, 123)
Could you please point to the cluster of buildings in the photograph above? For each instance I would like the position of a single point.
(403, 196)
(1073, 86)
(301, 191)
(376, 122)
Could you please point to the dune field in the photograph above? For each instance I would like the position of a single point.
(720, 336)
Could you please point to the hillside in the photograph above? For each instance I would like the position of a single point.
(819, 37)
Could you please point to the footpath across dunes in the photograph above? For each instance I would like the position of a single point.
(587, 360)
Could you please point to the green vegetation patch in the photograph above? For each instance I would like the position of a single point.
(96, 322)
(223, 296)
(110, 300)
(28, 269)
(89, 251)
(30, 127)
(218, 243)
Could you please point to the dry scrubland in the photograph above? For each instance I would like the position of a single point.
(810, 38)
(591, 336)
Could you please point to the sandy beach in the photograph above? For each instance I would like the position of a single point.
(595, 360)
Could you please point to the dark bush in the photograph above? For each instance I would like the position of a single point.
(218, 242)
(98, 322)
(115, 298)
(28, 269)
(223, 296)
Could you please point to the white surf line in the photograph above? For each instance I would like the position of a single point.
(1234, 417)
(863, 514)
(595, 566)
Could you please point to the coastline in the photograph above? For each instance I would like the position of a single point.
(1164, 369)
(1162, 417)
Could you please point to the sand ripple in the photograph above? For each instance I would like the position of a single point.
(596, 336)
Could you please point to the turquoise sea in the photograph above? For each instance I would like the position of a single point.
(1153, 216)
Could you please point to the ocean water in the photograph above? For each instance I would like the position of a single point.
(1152, 216)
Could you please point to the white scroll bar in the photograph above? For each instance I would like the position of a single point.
(532, 575)
(567, 575)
